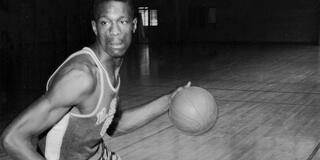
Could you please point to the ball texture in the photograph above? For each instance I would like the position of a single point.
(193, 110)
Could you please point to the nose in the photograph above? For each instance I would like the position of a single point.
(115, 30)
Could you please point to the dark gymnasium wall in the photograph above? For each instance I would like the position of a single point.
(259, 21)
(36, 35)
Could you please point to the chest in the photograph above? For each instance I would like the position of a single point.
(100, 100)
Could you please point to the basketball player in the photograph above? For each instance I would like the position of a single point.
(81, 97)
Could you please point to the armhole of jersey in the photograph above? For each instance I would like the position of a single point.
(55, 72)
(90, 52)
(101, 81)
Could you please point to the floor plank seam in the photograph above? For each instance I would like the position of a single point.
(313, 153)
(269, 91)
(263, 102)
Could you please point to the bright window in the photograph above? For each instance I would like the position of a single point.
(153, 17)
(144, 12)
(149, 16)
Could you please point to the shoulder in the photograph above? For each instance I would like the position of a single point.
(79, 66)
(76, 79)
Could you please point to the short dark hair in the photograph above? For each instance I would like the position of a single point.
(96, 4)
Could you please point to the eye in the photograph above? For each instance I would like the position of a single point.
(124, 21)
(104, 22)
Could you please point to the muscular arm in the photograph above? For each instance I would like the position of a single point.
(68, 90)
(136, 117)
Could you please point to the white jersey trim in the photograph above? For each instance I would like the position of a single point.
(101, 80)
(114, 89)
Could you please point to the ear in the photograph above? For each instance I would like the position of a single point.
(134, 23)
(94, 27)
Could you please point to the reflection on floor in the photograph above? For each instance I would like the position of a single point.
(268, 98)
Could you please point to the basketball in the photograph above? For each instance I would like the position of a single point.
(193, 111)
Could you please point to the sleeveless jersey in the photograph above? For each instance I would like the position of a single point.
(78, 136)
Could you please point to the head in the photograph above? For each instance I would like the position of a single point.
(113, 25)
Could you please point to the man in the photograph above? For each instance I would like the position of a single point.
(80, 102)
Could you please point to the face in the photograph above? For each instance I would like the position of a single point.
(114, 27)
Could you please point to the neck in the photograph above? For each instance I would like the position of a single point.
(110, 63)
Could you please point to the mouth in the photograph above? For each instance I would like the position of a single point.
(116, 45)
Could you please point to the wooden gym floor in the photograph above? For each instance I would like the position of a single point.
(268, 98)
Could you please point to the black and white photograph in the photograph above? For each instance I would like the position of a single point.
(160, 80)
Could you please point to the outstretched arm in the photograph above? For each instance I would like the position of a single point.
(44, 113)
(134, 118)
